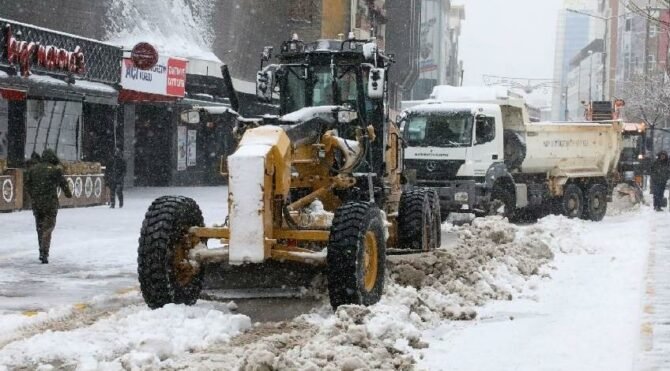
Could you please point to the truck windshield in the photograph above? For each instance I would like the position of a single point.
(631, 147)
(440, 130)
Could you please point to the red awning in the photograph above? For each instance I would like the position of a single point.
(131, 96)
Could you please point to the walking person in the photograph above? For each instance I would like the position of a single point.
(43, 179)
(660, 172)
(115, 173)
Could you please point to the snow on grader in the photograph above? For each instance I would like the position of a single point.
(318, 188)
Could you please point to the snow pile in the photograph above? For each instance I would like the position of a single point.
(493, 260)
(132, 337)
(624, 199)
(177, 28)
(563, 235)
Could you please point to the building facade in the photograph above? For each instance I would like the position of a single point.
(439, 63)
(584, 80)
(572, 34)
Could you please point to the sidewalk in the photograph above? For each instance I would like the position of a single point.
(655, 327)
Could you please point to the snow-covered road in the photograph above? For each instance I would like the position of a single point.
(586, 317)
(600, 304)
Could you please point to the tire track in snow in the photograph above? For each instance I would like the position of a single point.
(80, 315)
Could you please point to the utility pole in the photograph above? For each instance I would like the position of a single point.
(646, 73)
(566, 104)
(590, 74)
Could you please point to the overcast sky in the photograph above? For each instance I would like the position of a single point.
(513, 38)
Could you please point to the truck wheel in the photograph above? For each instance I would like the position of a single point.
(437, 217)
(415, 221)
(162, 265)
(572, 202)
(595, 206)
(356, 255)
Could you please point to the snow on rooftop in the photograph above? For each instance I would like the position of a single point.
(177, 28)
(96, 86)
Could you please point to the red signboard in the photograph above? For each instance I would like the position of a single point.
(144, 56)
(50, 57)
(176, 77)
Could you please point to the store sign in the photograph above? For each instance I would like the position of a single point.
(49, 57)
(167, 77)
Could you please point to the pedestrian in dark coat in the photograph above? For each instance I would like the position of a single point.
(114, 175)
(43, 179)
(660, 173)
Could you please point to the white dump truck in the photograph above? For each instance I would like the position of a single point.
(477, 147)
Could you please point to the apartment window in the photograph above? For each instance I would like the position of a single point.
(629, 24)
(651, 62)
(654, 28)
(302, 11)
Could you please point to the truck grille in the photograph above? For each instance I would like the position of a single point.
(434, 169)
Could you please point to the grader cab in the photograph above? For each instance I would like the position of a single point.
(316, 188)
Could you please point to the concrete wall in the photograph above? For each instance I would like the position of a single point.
(244, 27)
(81, 17)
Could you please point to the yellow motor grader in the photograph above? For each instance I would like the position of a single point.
(317, 187)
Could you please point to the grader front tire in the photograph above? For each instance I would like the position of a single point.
(356, 255)
(163, 270)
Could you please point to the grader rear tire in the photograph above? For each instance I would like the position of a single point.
(163, 271)
(356, 255)
(416, 221)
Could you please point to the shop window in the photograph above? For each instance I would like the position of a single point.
(55, 125)
(4, 128)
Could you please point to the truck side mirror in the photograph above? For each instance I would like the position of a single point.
(485, 129)
(376, 83)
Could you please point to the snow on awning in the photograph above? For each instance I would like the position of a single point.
(47, 86)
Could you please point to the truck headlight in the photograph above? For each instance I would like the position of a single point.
(461, 197)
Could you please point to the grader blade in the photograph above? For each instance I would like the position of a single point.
(271, 279)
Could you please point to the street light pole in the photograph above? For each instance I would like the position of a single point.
(566, 104)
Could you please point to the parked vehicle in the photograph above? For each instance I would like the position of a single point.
(483, 156)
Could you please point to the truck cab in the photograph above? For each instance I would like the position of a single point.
(451, 147)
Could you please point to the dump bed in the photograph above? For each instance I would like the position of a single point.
(572, 148)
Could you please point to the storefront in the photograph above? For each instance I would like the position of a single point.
(57, 91)
(161, 148)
